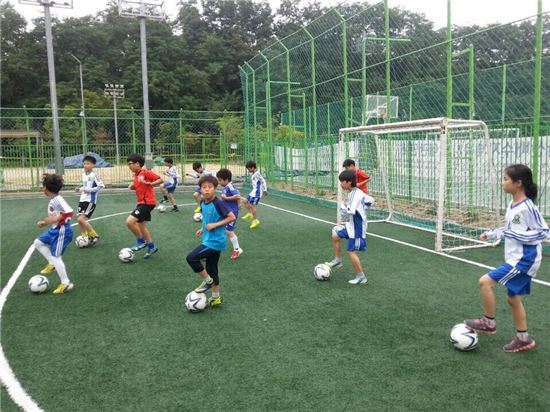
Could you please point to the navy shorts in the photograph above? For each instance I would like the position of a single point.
(143, 213)
(253, 200)
(517, 282)
(230, 227)
(354, 244)
(170, 187)
(86, 209)
(58, 239)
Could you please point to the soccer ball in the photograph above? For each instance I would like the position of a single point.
(196, 302)
(463, 338)
(81, 241)
(161, 208)
(197, 217)
(126, 255)
(38, 284)
(322, 272)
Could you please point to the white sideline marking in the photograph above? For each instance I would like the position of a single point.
(481, 265)
(7, 377)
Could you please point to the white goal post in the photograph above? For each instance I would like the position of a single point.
(436, 175)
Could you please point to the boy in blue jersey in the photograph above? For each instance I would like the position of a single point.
(169, 186)
(215, 216)
(231, 197)
(355, 230)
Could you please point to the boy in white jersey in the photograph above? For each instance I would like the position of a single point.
(259, 189)
(168, 188)
(355, 230)
(91, 185)
(52, 244)
(523, 233)
(199, 172)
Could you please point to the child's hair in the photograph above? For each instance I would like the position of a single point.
(52, 182)
(209, 179)
(169, 160)
(348, 163)
(251, 164)
(525, 175)
(224, 174)
(196, 165)
(348, 176)
(90, 159)
(136, 158)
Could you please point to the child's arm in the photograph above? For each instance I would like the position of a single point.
(228, 219)
(234, 198)
(53, 219)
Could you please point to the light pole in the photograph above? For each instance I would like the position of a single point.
(143, 10)
(115, 91)
(67, 4)
(83, 112)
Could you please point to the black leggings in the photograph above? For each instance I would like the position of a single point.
(211, 256)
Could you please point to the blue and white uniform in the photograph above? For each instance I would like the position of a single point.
(259, 186)
(231, 190)
(60, 234)
(356, 228)
(172, 182)
(91, 185)
(205, 172)
(523, 234)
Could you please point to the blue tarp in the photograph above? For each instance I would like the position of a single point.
(75, 162)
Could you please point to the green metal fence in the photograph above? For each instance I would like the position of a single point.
(26, 149)
(365, 64)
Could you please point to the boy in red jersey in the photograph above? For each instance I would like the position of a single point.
(144, 180)
(362, 177)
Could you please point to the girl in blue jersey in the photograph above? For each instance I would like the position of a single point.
(523, 234)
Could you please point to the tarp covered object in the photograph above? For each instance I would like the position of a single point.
(75, 162)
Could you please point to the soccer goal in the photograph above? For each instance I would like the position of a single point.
(435, 175)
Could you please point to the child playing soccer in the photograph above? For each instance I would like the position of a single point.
(144, 180)
(168, 188)
(259, 188)
(52, 244)
(231, 198)
(200, 172)
(523, 233)
(355, 230)
(362, 177)
(215, 216)
(91, 185)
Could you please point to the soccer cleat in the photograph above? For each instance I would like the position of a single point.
(163, 201)
(254, 224)
(47, 269)
(335, 264)
(248, 216)
(204, 286)
(150, 252)
(93, 240)
(236, 253)
(63, 288)
(198, 209)
(175, 209)
(214, 301)
(479, 325)
(360, 280)
(138, 246)
(518, 345)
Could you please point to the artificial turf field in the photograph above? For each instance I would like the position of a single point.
(123, 341)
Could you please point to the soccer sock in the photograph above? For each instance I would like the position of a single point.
(234, 242)
(165, 197)
(360, 275)
(522, 335)
(491, 322)
(84, 234)
(44, 250)
(175, 207)
(60, 268)
(92, 233)
(141, 239)
(336, 261)
(208, 279)
(150, 246)
(215, 294)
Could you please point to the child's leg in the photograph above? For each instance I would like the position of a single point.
(233, 238)
(133, 225)
(486, 285)
(44, 250)
(518, 313)
(197, 197)
(336, 246)
(84, 224)
(57, 261)
(171, 199)
(212, 269)
(254, 211)
(356, 263)
(145, 232)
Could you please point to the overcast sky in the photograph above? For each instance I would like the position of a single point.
(464, 12)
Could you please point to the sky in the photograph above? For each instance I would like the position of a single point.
(464, 12)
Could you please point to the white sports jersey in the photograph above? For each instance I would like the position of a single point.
(58, 206)
(205, 172)
(524, 232)
(173, 175)
(259, 186)
(356, 208)
(91, 184)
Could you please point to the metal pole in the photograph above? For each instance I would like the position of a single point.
(503, 98)
(538, 82)
(449, 63)
(148, 153)
(83, 112)
(388, 63)
(53, 91)
(116, 132)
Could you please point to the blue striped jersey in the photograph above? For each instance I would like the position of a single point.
(356, 209)
(91, 184)
(259, 186)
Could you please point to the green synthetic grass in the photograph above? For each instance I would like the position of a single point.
(122, 340)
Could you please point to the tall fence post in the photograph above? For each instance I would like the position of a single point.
(134, 143)
(538, 85)
(29, 144)
(182, 144)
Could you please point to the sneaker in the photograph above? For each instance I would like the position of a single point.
(214, 301)
(518, 345)
(479, 325)
(248, 216)
(150, 252)
(204, 286)
(360, 280)
(254, 224)
(138, 246)
(47, 269)
(198, 209)
(335, 264)
(63, 288)
(236, 253)
(93, 240)
(163, 201)
(175, 209)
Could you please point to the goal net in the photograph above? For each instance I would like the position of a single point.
(435, 175)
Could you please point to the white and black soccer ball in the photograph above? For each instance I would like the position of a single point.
(126, 255)
(196, 302)
(463, 338)
(38, 284)
(322, 272)
(197, 217)
(81, 241)
(161, 208)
